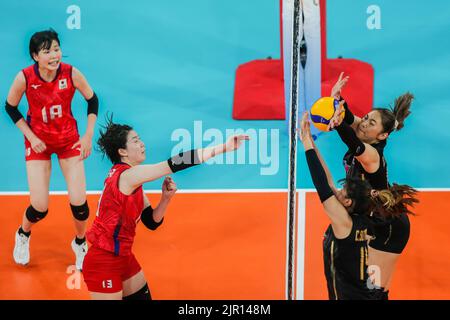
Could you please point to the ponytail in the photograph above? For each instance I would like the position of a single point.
(393, 119)
(394, 201)
(401, 110)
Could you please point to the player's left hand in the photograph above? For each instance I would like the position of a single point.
(169, 187)
(305, 128)
(337, 88)
(85, 146)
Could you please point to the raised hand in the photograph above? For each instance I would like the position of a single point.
(337, 118)
(305, 132)
(169, 187)
(337, 88)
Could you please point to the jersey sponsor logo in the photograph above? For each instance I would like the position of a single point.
(35, 86)
(111, 173)
(62, 84)
(28, 152)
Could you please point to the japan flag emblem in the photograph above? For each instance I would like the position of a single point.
(62, 84)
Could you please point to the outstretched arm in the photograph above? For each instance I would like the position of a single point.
(366, 154)
(336, 92)
(309, 141)
(340, 219)
(140, 174)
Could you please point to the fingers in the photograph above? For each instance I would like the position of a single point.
(169, 186)
(305, 126)
(305, 116)
(234, 142)
(343, 82)
(84, 153)
(172, 187)
(242, 137)
(76, 145)
(330, 125)
(304, 119)
(40, 147)
(168, 180)
(340, 83)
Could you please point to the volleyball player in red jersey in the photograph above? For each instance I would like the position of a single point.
(110, 269)
(50, 127)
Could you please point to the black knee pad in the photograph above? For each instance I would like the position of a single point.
(143, 294)
(33, 215)
(81, 213)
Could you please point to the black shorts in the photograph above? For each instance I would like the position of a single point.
(390, 235)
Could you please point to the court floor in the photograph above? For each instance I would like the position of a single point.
(219, 246)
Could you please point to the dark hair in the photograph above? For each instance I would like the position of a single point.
(389, 203)
(42, 40)
(401, 110)
(394, 201)
(358, 191)
(113, 138)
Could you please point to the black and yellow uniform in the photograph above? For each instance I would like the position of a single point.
(389, 234)
(378, 179)
(345, 262)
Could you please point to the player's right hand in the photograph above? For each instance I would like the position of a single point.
(37, 145)
(169, 187)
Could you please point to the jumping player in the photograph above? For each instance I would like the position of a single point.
(110, 268)
(345, 244)
(49, 128)
(366, 139)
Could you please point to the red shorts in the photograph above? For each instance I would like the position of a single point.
(104, 272)
(63, 151)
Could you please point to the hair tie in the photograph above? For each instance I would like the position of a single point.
(395, 124)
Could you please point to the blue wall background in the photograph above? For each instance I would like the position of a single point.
(160, 66)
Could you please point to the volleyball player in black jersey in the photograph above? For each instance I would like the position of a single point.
(345, 244)
(366, 139)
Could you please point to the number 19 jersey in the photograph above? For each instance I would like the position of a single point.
(49, 105)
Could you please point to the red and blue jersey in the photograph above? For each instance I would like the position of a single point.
(114, 227)
(49, 105)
